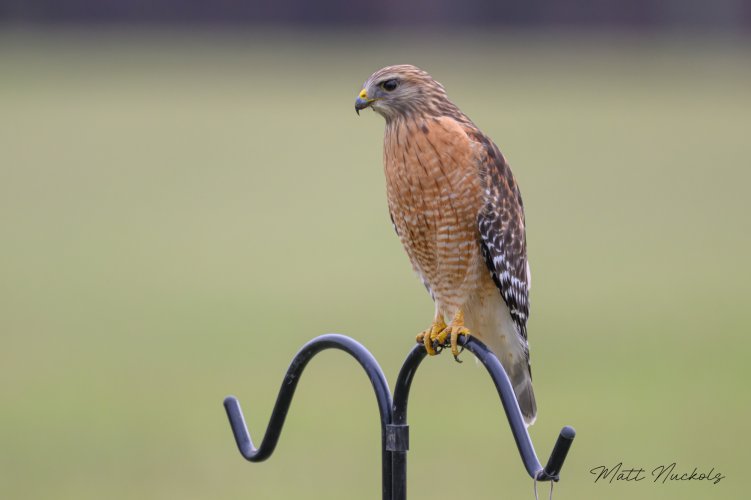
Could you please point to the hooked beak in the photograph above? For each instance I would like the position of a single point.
(362, 101)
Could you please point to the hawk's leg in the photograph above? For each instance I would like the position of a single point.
(428, 336)
(452, 333)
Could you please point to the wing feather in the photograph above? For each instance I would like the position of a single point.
(502, 233)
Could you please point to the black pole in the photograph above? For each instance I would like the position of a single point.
(287, 391)
(394, 428)
(401, 399)
(510, 405)
(515, 419)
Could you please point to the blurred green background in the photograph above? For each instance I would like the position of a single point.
(180, 212)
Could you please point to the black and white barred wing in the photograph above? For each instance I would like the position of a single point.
(503, 236)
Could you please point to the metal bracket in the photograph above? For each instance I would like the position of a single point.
(397, 437)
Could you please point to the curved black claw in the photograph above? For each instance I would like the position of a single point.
(456, 357)
(439, 346)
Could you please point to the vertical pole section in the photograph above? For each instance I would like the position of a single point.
(401, 399)
(560, 450)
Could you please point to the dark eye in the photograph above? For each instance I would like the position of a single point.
(389, 85)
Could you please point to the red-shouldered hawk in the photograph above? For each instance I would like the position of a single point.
(458, 212)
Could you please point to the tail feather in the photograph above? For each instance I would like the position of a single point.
(489, 319)
(525, 396)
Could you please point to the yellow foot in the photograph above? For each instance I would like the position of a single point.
(428, 336)
(452, 334)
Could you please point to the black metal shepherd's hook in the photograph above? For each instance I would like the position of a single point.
(394, 428)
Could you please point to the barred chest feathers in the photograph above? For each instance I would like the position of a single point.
(435, 195)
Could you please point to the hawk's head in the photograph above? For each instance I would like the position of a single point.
(401, 90)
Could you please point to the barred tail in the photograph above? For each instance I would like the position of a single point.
(522, 383)
(488, 318)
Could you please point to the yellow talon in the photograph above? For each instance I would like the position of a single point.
(452, 334)
(428, 336)
(436, 336)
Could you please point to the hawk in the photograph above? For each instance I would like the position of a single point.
(458, 212)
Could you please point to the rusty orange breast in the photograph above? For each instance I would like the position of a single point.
(434, 194)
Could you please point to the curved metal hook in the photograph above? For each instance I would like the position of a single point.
(394, 429)
(506, 392)
(287, 391)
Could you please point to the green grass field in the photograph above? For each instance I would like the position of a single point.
(179, 213)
